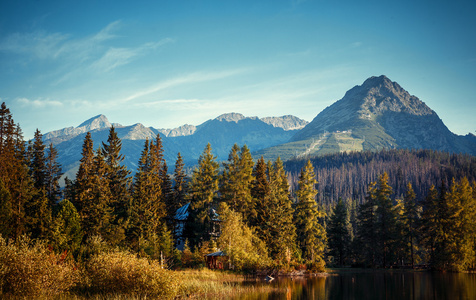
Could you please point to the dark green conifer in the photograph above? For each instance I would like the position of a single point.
(338, 233)
(53, 175)
(311, 234)
(411, 218)
(281, 231)
(180, 188)
(202, 195)
(235, 187)
(119, 183)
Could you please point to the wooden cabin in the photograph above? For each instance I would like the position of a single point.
(217, 260)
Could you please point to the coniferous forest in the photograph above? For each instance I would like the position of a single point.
(393, 208)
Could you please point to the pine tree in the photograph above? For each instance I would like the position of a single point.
(260, 193)
(430, 224)
(38, 161)
(83, 184)
(101, 218)
(119, 183)
(460, 228)
(38, 210)
(338, 233)
(386, 218)
(411, 218)
(53, 175)
(366, 239)
(202, 195)
(167, 195)
(311, 234)
(235, 187)
(14, 174)
(180, 188)
(92, 195)
(147, 209)
(279, 230)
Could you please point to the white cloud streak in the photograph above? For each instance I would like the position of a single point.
(39, 103)
(183, 80)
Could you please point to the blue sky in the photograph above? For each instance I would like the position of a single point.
(167, 63)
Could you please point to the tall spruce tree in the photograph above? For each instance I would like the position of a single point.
(429, 225)
(37, 209)
(92, 195)
(311, 234)
(167, 194)
(53, 175)
(202, 194)
(260, 193)
(338, 235)
(180, 188)
(459, 246)
(38, 161)
(411, 219)
(279, 230)
(118, 179)
(366, 239)
(147, 210)
(14, 174)
(235, 182)
(386, 219)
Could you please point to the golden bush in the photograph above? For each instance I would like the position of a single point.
(31, 268)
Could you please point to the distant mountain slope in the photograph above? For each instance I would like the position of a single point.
(222, 132)
(226, 130)
(377, 114)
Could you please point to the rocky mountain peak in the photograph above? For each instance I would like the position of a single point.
(378, 95)
(230, 117)
(374, 101)
(287, 122)
(97, 122)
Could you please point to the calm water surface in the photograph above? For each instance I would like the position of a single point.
(374, 285)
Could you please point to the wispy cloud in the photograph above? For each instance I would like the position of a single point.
(183, 80)
(39, 44)
(115, 57)
(39, 103)
(69, 56)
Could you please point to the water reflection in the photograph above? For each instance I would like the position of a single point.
(374, 285)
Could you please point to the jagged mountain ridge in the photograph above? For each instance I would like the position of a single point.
(222, 132)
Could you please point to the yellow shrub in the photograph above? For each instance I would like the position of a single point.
(120, 272)
(31, 269)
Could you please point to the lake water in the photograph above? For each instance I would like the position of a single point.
(374, 285)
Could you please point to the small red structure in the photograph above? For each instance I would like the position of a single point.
(216, 260)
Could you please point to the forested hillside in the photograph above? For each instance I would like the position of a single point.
(346, 175)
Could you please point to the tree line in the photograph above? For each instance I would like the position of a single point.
(347, 175)
(436, 231)
(243, 207)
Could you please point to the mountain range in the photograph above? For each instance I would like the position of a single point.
(377, 114)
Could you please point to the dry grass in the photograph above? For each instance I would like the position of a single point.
(206, 283)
